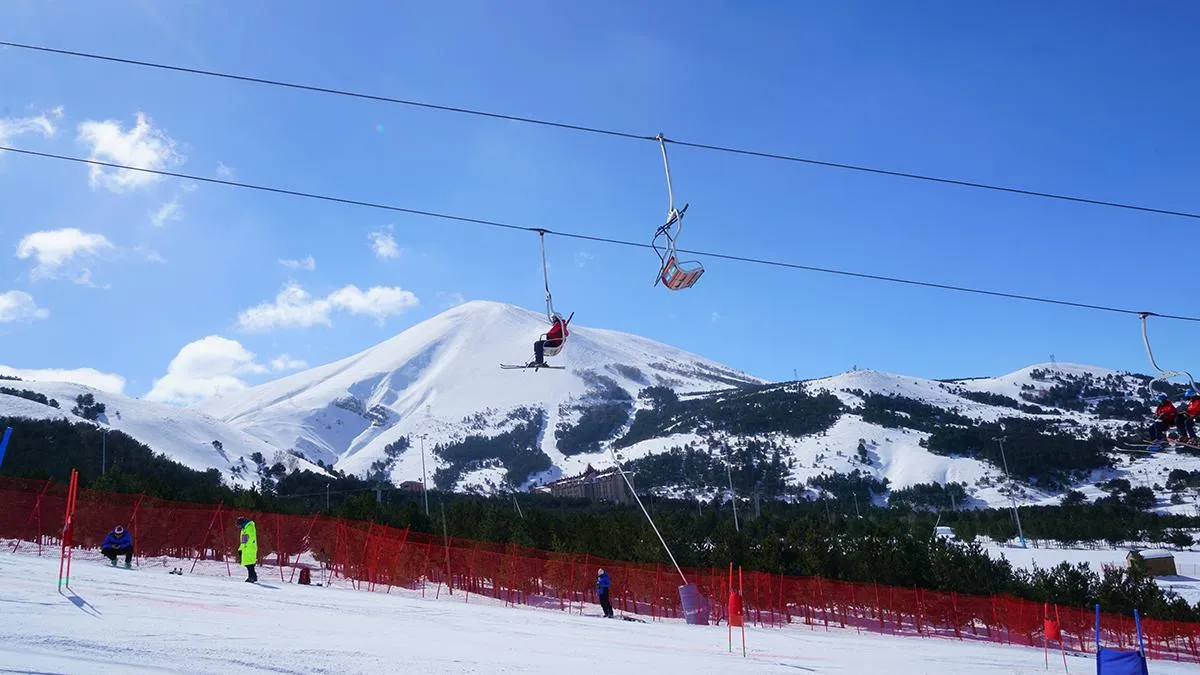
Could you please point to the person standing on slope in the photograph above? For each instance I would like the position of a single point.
(554, 338)
(602, 586)
(1164, 419)
(118, 542)
(248, 547)
(1186, 421)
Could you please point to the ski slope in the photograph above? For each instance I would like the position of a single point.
(149, 621)
(181, 434)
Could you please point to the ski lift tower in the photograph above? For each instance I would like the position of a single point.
(1011, 491)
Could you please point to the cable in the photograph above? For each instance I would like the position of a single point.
(606, 132)
(593, 238)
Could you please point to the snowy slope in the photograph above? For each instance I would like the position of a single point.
(183, 435)
(346, 412)
(148, 621)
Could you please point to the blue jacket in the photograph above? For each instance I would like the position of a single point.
(124, 540)
(602, 582)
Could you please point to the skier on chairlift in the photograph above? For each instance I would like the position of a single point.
(1186, 421)
(554, 338)
(1164, 418)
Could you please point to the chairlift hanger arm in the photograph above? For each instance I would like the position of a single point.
(1163, 375)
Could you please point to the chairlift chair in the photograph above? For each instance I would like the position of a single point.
(675, 274)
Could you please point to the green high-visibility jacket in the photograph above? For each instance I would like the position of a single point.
(249, 544)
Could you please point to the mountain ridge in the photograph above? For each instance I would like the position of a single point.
(432, 403)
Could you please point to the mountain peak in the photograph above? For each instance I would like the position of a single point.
(437, 376)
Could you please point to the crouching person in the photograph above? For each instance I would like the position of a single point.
(118, 542)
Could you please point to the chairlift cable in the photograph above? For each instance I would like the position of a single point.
(596, 238)
(711, 147)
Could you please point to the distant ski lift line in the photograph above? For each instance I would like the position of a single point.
(601, 131)
(586, 237)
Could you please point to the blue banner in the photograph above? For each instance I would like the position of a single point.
(4, 444)
(695, 606)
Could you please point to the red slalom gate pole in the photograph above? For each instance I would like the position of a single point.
(204, 540)
(307, 535)
(36, 513)
(729, 622)
(741, 590)
(134, 519)
(64, 557)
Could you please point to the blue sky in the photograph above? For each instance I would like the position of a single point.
(1095, 99)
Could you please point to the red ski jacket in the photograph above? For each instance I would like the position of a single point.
(1166, 412)
(557, 332)
(1193, 408)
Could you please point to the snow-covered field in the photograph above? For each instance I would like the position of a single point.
(1187, 563)
(147, 620)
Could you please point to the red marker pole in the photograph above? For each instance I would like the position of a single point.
(740, 591)
(64, 557)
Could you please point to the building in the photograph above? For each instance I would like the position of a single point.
(1158, 563)
(601, 486)
(411, 486)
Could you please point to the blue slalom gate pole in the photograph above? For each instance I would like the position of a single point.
(4, 443)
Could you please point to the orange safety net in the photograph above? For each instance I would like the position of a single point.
(378, 558)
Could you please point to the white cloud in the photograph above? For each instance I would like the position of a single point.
(225, 172)
(55, 249)
(294, 307)
(583, 258)
(20, 306)
(717, 317)
(308, 263)
(205, 368)
(384, 244)
(143, 146)
(89, 377)
(149, 254)
(169, 211)
(11, 127)
(285, 362)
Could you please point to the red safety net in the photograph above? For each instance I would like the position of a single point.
(374, 557)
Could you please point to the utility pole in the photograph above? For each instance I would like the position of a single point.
(424, 478)
(424, 481)
(732, 497)
(103, 450)
(1011, 493)
(327, 496)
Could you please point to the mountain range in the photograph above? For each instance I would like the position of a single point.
(434, 400)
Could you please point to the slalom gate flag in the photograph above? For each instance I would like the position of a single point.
(4, 443)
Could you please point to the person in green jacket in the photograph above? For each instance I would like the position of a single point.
(248, 547)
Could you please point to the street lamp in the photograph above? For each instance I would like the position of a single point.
(1011, 492)
(103, 449)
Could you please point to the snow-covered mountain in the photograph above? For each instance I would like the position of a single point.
(442, 378)
(438, 385)
(183, 435)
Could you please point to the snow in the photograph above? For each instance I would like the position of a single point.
(147, 620)
(1050, 554)
(440, 379)
(181, 434)
(434, 375)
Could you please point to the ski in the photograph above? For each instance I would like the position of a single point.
(508, 366)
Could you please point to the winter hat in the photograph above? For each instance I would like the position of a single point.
(119, 530)
(600, 571)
